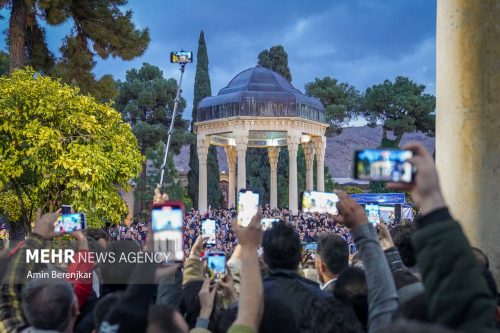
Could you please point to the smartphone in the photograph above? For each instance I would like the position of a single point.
(167, 224)
(67, 223)
(320, 202)
(352, 249)
(208, 230)
(387, 165)
(181, 57)
(373, 213)
(248, 206)
(268, 223)
(66, 209)
(216, 265)
(312, 247)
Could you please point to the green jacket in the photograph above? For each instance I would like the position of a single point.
(457, 294)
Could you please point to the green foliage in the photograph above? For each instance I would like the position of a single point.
(283, 175)
(215, 198)
(100, 28)
(171, 184)
(4, 63)
(353, 190)
(58, 146)
(193, 174)
(75, 68)
(203, 89)
(402, 107)
(259, 172)
(143, 101)
(276, 59)
(341, 101)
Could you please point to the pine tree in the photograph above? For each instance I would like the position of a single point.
(145, 101)
(4, 63)
(276, 59)
(202, 89)
(99, 23)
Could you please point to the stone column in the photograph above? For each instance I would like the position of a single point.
(468, 119)
(293, 141)
(309, 155)
(241, 149)
(274, 153)
(231, 165)
(319, 149)
(202, 146)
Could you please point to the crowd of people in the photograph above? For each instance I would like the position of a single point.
(308, 226)
(422, 277)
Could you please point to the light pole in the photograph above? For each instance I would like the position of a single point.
(182, 58)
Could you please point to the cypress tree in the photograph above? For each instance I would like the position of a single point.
(202, 89)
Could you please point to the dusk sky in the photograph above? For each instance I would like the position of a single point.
(362, 42)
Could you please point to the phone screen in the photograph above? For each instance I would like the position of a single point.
(181, 57)
(216, 265)
(373, 213)
(383, 165)
(320, 202)
(248, 206)
(66, 209)
(268, 223)
(67, 223)
(352, 249)
(167, 226)
(208, 230)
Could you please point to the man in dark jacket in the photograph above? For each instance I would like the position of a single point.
(332, 257)
(457, 294)
(282, 253)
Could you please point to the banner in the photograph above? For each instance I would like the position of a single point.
(381, 198)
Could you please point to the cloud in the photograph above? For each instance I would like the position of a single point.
(362, 42)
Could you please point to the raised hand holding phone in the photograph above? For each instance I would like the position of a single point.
(351, 213)
(425, 190)
(248, 206)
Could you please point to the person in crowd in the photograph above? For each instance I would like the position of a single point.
(456, 291)
(43, 304)
(401, 234)
(332, 257)
(283, 284)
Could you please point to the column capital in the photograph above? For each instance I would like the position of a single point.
(273, 154)
(319, 144)
(202, 145)
(293, 141)
(309, 152)
(231, 156)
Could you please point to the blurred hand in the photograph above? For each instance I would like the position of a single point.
(384, 236)
(206, 298)
(158, 197)
(45, 225)
(351, 213)
(227, 286)
(251, 235)
(425, 190)
(82, 240)
(199, 245)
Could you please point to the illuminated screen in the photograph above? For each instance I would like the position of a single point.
(384, 165)
(166, 218)
(208, 230)
(248, 205)
(67, 223)
(373, 213)
(217, 263)
(268, 223)
(320, 202)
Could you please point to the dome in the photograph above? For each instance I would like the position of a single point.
(260, 92)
